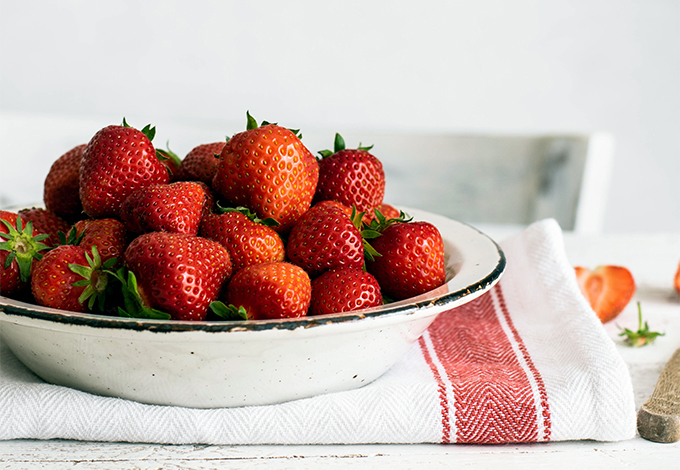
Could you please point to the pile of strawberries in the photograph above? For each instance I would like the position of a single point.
(255, 227)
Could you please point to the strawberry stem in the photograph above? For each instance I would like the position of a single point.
(642, 336)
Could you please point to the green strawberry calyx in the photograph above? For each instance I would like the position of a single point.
(133, 306)
(23, 246)
(167, 156)
(269, 222)
(642, 336)
(339, 145)
(95, 279)
(73, 237)
(367, 233)
(228, 312)
(251, 123)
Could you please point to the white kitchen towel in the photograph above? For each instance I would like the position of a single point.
(527, 362)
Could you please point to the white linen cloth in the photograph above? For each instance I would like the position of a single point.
(527, 362)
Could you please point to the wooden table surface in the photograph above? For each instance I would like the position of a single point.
(652, 258)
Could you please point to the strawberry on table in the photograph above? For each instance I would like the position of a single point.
(61, 193)
(344, 290)
(175, 207)
(608, 289)
(20, 246)
(200, 164)
(353, 177)
(177, 273)
(270, 291)
(117, 161)
(247, 238)
(325, 238)
(46, 221)
(69, 278)
(268, 170)
(411, 260)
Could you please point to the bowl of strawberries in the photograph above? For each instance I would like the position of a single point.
(248, 273)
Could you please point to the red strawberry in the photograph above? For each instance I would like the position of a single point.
(248, 241)
(46, 221)
(61, 190)
(353, 177)
(271, 290)
(108, 235)
(344, 290)
(177, 273)
(608, 289)
(19, 247)
(200, 164)
(69, 279)
(268, 170)
(411, 261)
(325, 238)
(175, 207)
(116, 162)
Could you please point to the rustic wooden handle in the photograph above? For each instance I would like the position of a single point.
(659, 418)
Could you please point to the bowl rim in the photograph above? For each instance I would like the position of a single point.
(410, 306)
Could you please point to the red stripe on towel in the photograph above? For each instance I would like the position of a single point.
(491, 393)
(545, 409)
(441, 388)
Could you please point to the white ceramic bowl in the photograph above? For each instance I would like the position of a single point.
(228, 364)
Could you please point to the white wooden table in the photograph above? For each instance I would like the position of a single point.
(652, 259)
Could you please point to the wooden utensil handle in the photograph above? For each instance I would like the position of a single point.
(659, 418)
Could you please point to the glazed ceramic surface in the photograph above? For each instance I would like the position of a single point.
(228, 364)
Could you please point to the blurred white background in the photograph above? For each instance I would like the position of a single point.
(432, 65)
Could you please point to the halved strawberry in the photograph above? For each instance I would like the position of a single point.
(270, 290)
(608, 289)
(344, 290)
(61, 189)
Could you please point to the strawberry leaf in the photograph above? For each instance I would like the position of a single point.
(167, 156)
(269, 222)
(132, 303)
(251, 122)
(228, 312)
(149, 132)
(339, 143)
(95, 280)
